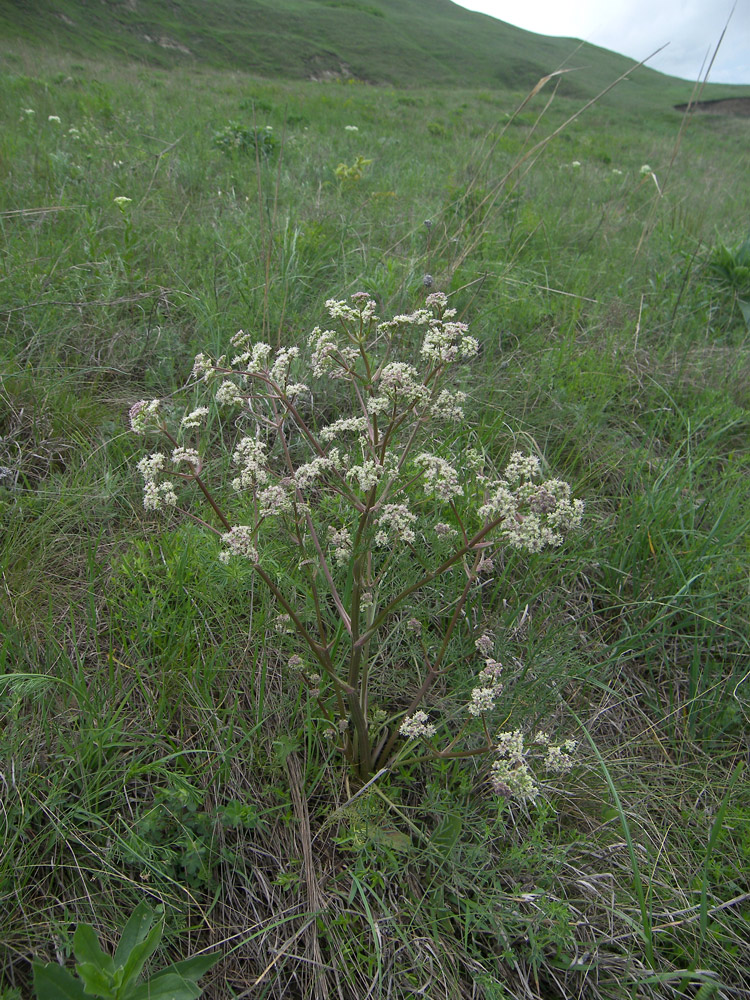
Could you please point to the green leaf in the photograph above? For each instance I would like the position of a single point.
(190, 968)
(86, 948)
(166, 987)
(140, 954)
(134, 932)
(447, 833)
(52, 982)
(95, 980)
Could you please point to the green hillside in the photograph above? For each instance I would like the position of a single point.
(419, 43)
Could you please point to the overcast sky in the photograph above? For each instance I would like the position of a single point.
(637, 27)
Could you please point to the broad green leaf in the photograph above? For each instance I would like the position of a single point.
(134, 932)
(190, 968)
(166, 987)
(86, 948)
(447, 833)
(140, 954)
(52, 982)
(95, 981)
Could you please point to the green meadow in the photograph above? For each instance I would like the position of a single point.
(155, 745)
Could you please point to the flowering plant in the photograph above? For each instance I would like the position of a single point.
(374, 511)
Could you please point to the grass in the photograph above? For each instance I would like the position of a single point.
(151, 745)
(331, 39)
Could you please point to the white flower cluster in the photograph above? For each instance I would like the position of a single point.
(328, 356)
(189, 455)
(364, 309)
(239, 541)
(250, 456)
(511, 774)
(417, 726)
(253, 357)
(399, 389)
(366, 475)
(449, 405)
(203, 367)
(447, 342)
(490, 687)
(307, 474)
(344, 425)
(156, 495)
(340, 541)
(560, 759)
(275, 500)
(144, 416)
(533, 516)
(440, 478)
(194, 418)
(228, 394)
(395, 525)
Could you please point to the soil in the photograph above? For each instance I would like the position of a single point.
(739, 106)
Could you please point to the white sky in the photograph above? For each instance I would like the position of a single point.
(637, 27)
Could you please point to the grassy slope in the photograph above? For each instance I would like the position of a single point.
(423, 42)
(157, 749)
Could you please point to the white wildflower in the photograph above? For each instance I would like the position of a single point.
(340, 541)
(395, 525)
(366, 475)
(189, 455)
(513, 781)
(484, 644)
(228, 394)
(144, 415)
(275, 499)
(239, 541)
(345, 425)
(416, 726)
(510, 745)
(559, 759)
(520, 467)
(150, 466)
(54, 118)
(250, 457)
(448, 405)
(440, 478)
(482, 700)
(202, 367)
(158, 495)
(194, 418)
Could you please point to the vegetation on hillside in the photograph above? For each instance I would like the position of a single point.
(156, 746)
(419, 43)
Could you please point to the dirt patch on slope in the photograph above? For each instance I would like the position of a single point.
(739, 106)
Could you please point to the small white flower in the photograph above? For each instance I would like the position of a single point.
(54, 118)
(194, 418)
(646, 169)
(616, 171)
(189, 455)
(416, 726)
(239, 541)
(121, 201)
(144, 415)
(575, 164)
(482, 700)
(351, 128)
(228, 394)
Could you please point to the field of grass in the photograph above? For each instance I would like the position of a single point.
(154, 745)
